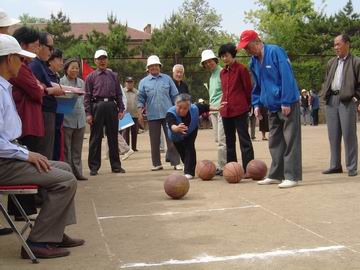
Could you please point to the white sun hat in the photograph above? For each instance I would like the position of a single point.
(206, 55)
(9, 45)
(5, 20)
(153, 60)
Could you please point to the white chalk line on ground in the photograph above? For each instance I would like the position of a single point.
(299, 226)
(109, 253)
(181, 212)
(244, 256)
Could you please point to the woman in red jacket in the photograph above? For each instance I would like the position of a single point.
(28, 93)
(236, 102)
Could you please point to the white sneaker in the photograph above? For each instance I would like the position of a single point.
(189, 176)
(179, 167)
(127, 154)
(157, 168)
(268, 181)
(288, 184)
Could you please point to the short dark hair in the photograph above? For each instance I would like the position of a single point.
(26, 35)
(43, 38)
(3, 58)
(56, 53)
(345, 38)
(227, 48)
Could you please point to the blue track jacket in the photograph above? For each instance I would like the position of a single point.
(274, 82)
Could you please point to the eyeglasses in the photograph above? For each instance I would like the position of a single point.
(51, 48)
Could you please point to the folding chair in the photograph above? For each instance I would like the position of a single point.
(12, 191)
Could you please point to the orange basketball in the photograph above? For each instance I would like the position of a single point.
(233, 172)
(176, 186)
(256, 169)
(205, 169)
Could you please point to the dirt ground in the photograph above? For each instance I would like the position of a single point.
(129, 222)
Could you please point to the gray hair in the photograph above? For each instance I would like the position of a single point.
(178, 66)
(183, 98)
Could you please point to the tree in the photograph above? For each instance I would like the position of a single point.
(59, 27)
(182, 37)
(282, 22)
(25, 18)
(115, 42)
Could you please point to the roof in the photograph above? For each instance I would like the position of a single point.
(78, 29)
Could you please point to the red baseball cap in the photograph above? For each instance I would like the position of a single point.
(246, 37)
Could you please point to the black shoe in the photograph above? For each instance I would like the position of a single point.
(5, 231)
(93, 173)
(352, 173)
(82, 178)
(219, 172)
(120, 170)
(136, 150)
(330, 171)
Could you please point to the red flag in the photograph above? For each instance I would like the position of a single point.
(86, 69)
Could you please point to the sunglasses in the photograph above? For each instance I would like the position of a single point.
(50, 47)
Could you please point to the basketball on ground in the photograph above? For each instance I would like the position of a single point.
(205, 169)
(233, 172)
(256, 169)
(176, 186)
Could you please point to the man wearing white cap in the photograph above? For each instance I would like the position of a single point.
(104, 107)
(6, 22)
(210, 62)
(18, 166)
(157, 92)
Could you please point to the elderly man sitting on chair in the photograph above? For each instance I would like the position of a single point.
(18, 166)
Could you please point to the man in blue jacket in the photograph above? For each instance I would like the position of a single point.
(275, 88)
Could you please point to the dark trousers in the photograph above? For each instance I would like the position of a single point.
(315, 117)
(134, 130)
(187, 152)
(27, 201)
(105, 114)
(238, 124)
(46, 145)
(57, 141)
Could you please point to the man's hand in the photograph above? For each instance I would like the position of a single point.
(55, 91)
(180, 128)
(358, 108)
(257, 113)
(141, 117)
(285, 110)
(40, 162)
(121, 115)
(89, 120)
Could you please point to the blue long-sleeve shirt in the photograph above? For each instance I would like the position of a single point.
(274, 81)
(157, 94)
(10, 124)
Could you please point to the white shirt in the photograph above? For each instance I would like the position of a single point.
(10, 124)
(337, 81)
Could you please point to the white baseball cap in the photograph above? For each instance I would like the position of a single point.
(206, 55)
(5, 20)
(9, 45)
(153, 60)
(100, 53)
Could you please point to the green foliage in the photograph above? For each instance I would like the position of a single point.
(59, 27)
(25, 18)
(183, 36)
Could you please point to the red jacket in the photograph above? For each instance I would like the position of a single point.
(236, 88)
(27, 94)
